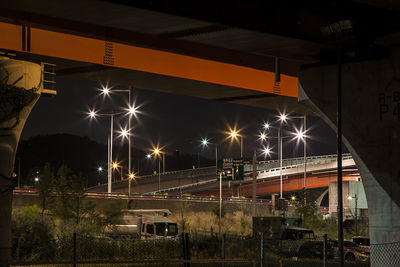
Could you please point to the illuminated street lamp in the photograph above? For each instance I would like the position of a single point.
(115, 166)
(355, 210)
(263, 136)
(130, 177)
(266, 151)
(157, 153)
(132, 110)
(205, 143)
(234, 134)
(93, 114)
(300, 135)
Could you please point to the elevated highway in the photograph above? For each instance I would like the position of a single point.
(203, 181)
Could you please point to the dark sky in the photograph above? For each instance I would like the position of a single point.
(173, 121)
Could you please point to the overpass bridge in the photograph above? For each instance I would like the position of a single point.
(203, 181)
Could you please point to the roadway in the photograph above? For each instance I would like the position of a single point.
(202, 182)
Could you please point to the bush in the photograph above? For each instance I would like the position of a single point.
(32, 238)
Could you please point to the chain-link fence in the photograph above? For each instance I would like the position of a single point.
(385, 255)
(194, 249)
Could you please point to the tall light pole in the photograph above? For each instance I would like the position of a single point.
(355, 210)
(93, 114)
(157, 153)
(304, 117)
(234, 134)
(205, 143)
(131, 111)
(299, 135)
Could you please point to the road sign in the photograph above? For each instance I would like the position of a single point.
(230, 169)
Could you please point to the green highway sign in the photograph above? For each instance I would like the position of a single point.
(230, 169)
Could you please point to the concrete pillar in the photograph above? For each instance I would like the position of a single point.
(20, 83)
(371, 131)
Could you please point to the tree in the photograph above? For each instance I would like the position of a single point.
(32, 238)
(62, 185)
(80, 208)
(307, 210)
(70, 196)
(45, 186)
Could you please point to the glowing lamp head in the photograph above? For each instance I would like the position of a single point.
(283, 117)
(293, 198)
(106, 90)
(266, 126)
(204, 142)
(148, 156)
(300, 135)
(92, 114)
(115, 165)
(234, 134)
(100, 169)
(350, 198)
(266, 151)
(132, 110)
(36, 179)
(156, 151)
(263, 136)
(124, 133)
(131, 176)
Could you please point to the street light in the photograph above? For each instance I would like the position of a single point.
(93, 114)
(115, 166)
(234, 134)
(300, 135)
(131, 111)
(282, 119)
(157, 153)
(205, 143)
(355, 210)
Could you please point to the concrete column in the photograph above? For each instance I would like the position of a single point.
(371, 131)
(20, 83)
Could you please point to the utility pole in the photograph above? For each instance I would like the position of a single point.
(339, 157)
(254, 183)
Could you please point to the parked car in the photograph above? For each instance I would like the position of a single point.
(352, 251)
(314, 249)
(362, 241)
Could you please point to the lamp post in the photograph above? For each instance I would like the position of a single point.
(93, 114)
(355, 210)
(157, 153)
(131, 177)
(299, 135)
(132, 111)
(205, 143)
(305, 146)
(234, 134)
(279, 137)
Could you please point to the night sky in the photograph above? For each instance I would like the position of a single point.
(174, 122)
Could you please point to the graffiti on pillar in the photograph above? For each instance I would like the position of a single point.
(389, 105)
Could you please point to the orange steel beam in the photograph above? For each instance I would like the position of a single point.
(45, 42)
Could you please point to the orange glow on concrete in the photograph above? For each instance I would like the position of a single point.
(11, 36)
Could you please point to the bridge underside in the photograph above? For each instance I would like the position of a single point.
(132, 55)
